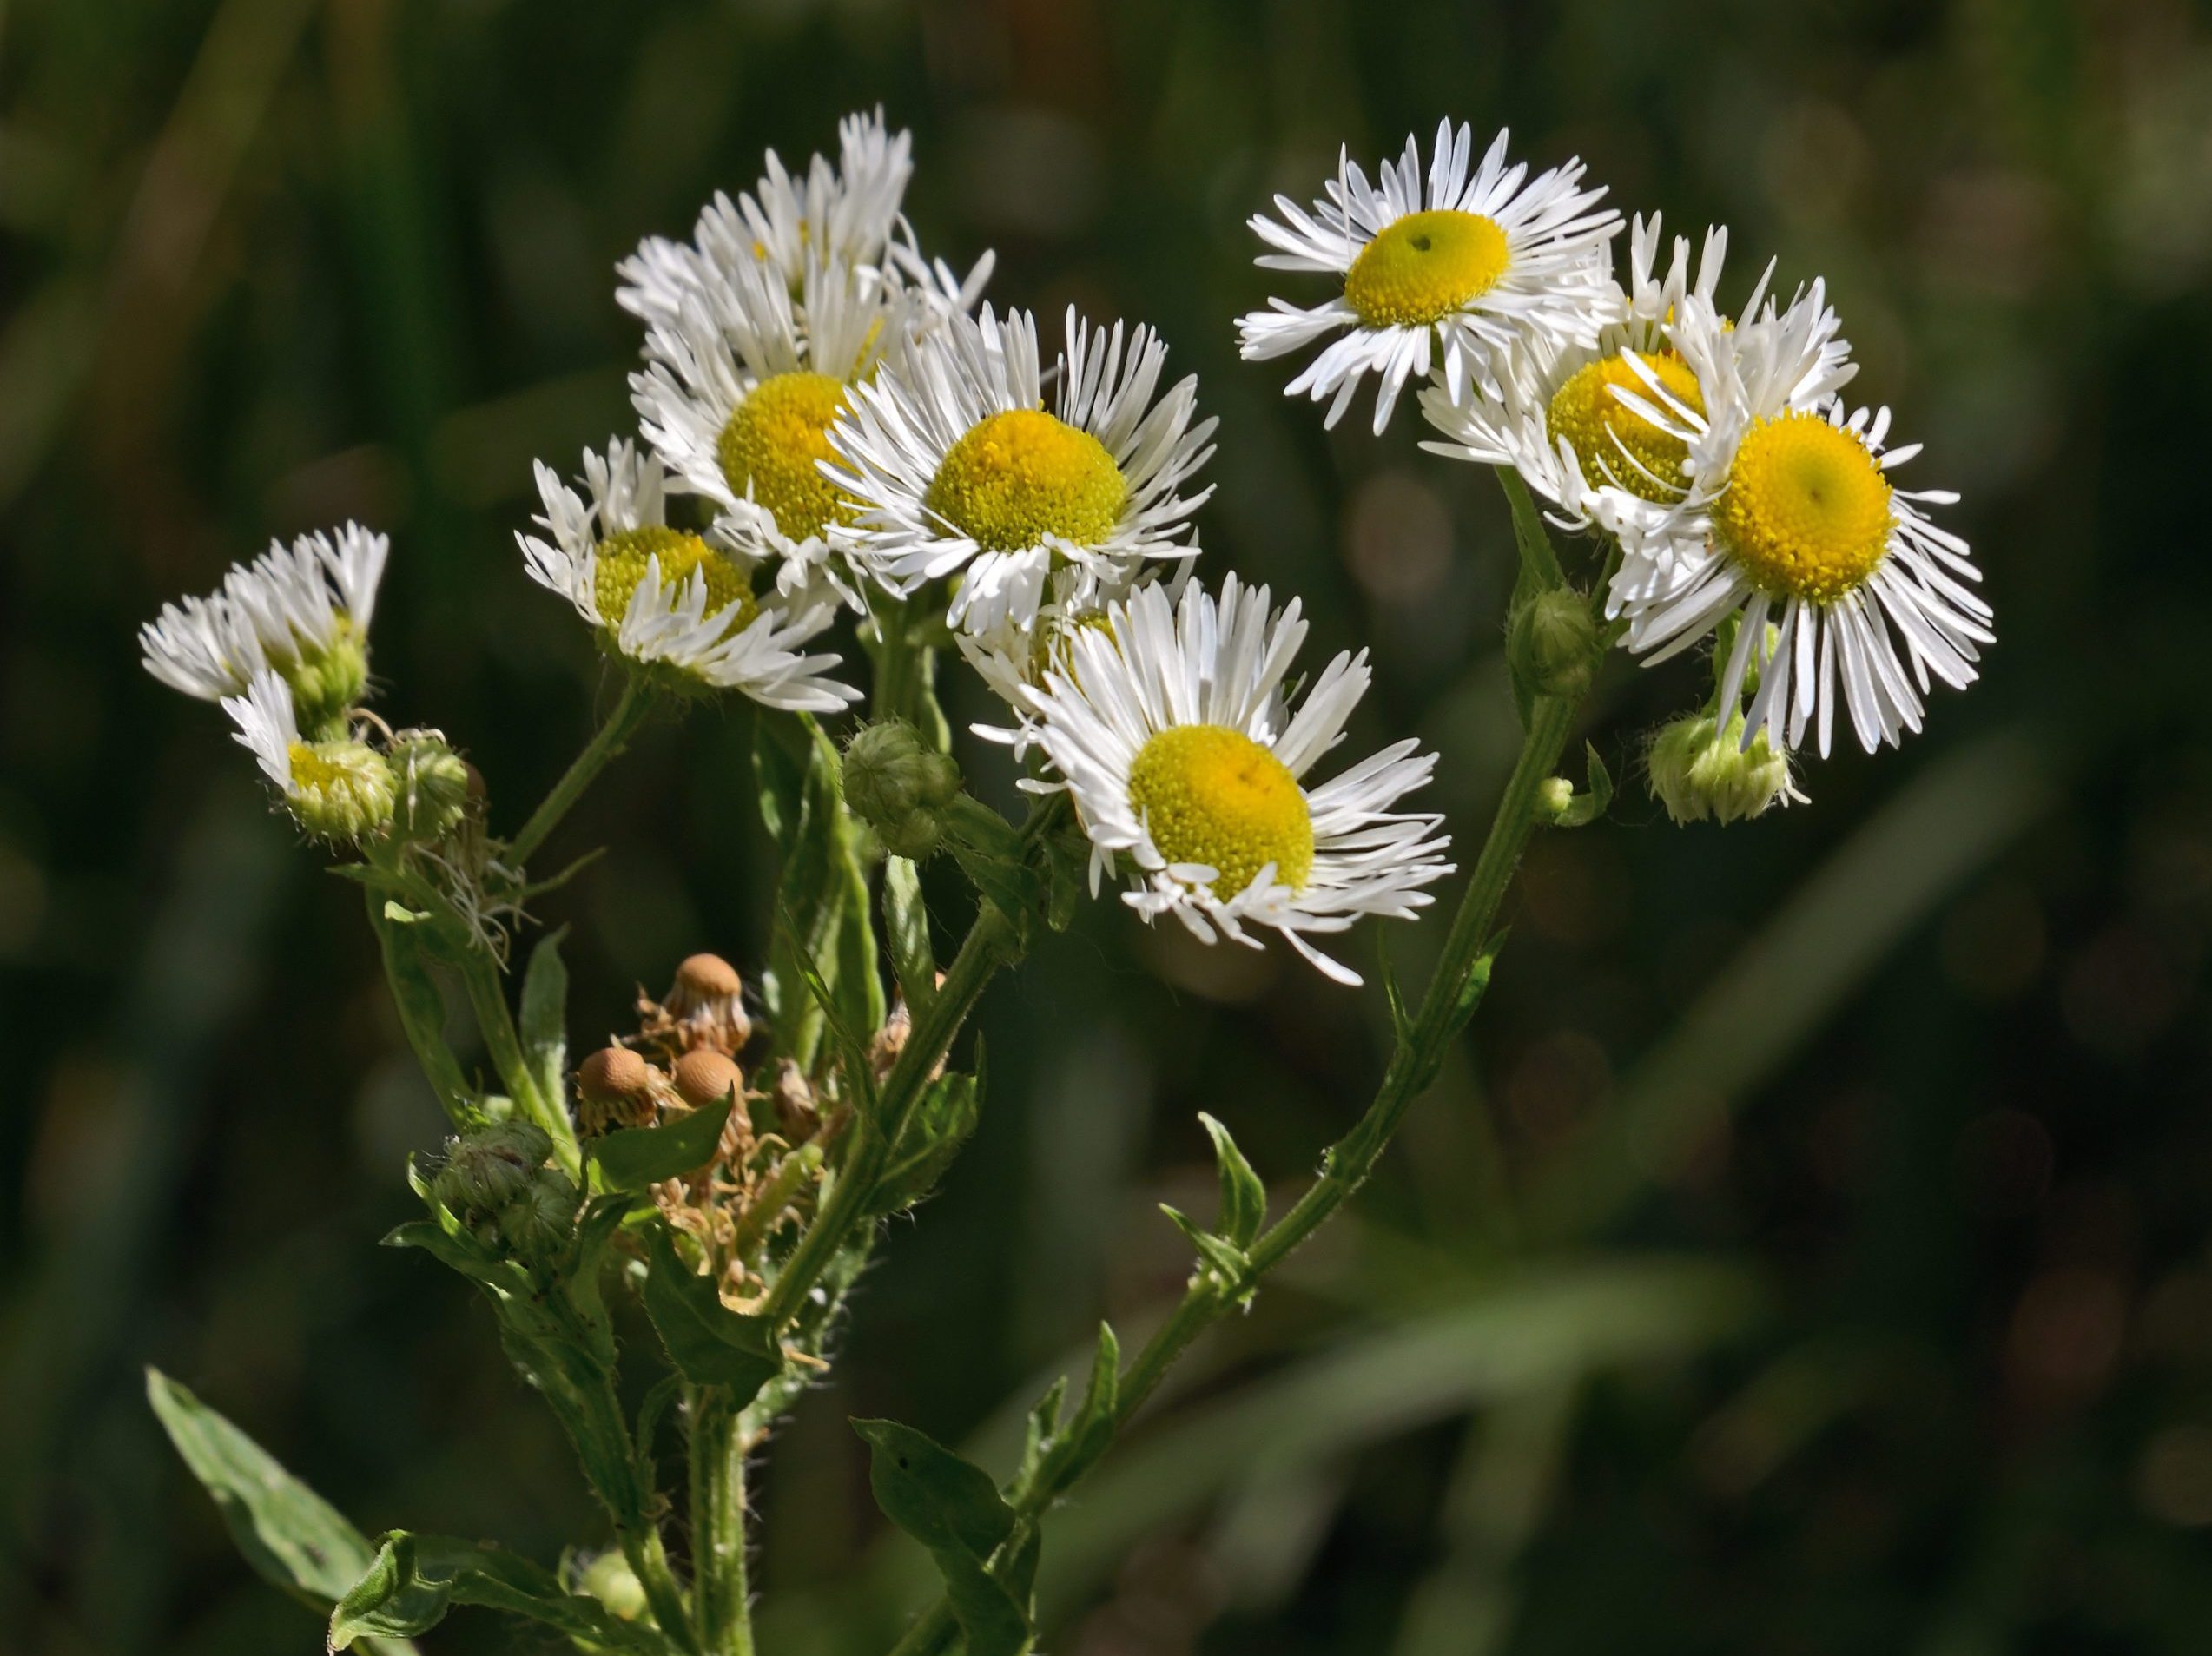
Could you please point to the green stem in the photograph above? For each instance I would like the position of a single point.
(487, 997)
(720, 1591)
(898, 663)
(1444, 1007)
(992, 942)
(612, 738)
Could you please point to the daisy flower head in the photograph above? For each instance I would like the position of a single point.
(1566, 421)
(1842, 587)
(339, 789)
(303, 610)
(741, 386)
(1451, 277)
(959, 468)
(676, 603)
(1169, 726)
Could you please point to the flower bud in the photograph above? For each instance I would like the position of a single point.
(899, 786)
(1699, 771)
(610, 1580)
(487, 1169)
(1551, 642)
(1554, 796)
(539, 1220)
(618, 1088)
(434, 786)
(340, 791)
(327, 678)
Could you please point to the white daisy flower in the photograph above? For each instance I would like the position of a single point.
(1452, 278)
(1169, 726)
(741, 384)
(1559, 419)
(1790, 521)
(338, 789)
(958, 468)
(670, 600)
(303, 609)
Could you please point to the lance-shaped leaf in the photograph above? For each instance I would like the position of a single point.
(415, 1579)
(291, 1536)
(710, 1343)
(1244, 1198)
(1588, 807)
(820, 894)
(940, 1121)
(1224, 1258)
(543, 1020)
(952, 1508)
(630, 1159)
(1091, 1427)
(905, 923)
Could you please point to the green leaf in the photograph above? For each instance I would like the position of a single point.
(415, 1580)
(1092, 1428)
(291, 1536)
(1041, 1430)
(905, 923)
(632, 1158)
(1468, 996)
(400, 914)
(422, 1012)
(939, 1122)
(1219, 1255)
(712, 1344)
(1244, 1198)
(952, 1508)
(821, 893)
(543, 1018)
(1589, 806)
(456, 1250)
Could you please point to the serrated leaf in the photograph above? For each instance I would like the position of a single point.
(1092, 1427)
(905, 923)
(939, 1122)
(1220, 1256)
(291, 1536)
(712, 1344)
(415, 1580)
(633, 1158)
(543, 1020)
(1244, 1198)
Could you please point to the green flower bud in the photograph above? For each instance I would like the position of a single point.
(328, 679)
(339, 790)
(899, 786)
(487, 1169)
(1551, 642)
(609, 1579)
(538, 1222)
(433, 786)
(1554, 796)
(1699, 772)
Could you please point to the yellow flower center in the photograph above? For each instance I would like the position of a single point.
(1421, 268)
(1807, 512)
(1213, 796)
(621, 568)
(1019, 475)
(1614, 444)
(772, 446)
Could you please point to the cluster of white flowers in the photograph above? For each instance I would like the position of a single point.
(858, 432)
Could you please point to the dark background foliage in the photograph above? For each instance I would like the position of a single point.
(1807, 1252)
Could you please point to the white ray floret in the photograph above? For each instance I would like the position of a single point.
(1450, 278)
(267, 727)
(1168, 725)
(959, 468)
(291, 603)
(667, 599)
(1845, 590)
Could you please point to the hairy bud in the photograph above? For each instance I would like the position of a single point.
(1551, 641)
(1699, 770)
(899, 786)
(342, 791)
(539, 1220)
(487, 1169)
(434, 786)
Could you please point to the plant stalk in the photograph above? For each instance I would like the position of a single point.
(719, 1592)
(611, 739)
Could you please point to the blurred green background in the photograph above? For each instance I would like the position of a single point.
(1807, 1252)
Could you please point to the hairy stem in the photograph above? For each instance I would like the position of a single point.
(992, 942)
(630, 711)
(720, 1593)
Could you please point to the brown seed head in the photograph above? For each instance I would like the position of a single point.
(701, 979)
(614, 1075)
(706, 1078)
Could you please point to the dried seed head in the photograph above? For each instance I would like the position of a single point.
(706, 1077)
(705, 1006)
(614, 1075)
(701, 979)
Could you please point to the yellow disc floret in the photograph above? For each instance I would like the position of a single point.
(773, 446)
(1421, 268)
(1806, 513)
(1016, 477)
(621, 567)
(1614, 444)
(1213, 796)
